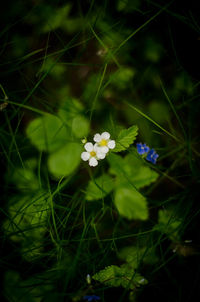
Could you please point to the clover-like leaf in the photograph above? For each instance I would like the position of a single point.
(71, 113)
(132, 169)
(47, 133)
(130, 203)
(70, 108)
(80, 126)
(64, 161)
(99, 187)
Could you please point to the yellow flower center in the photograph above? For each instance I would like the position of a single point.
(103, 142)
(92, 153)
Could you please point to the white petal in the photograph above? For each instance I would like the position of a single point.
(111, 144)
(104, 149)
(85, 156)
(89, 147)
(93, 162)
(105, 135)
(97, 138)
(101, 155)
(96, 147)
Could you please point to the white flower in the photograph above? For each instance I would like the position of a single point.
(104, 142)
(93, 154)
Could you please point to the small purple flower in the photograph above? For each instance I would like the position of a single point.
(91, 298)
(152, 156)
(149, 154)
(142, 148)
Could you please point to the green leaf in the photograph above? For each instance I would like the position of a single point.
(80, 126)
(138, 172)
(53, 68)
(64, 161)
(132, 255)
(131, 169)
(57, 18)
(25, 179)
(47, 133)
(69, 109)
(142, 177)
(135, 255)
(122, 78)
(70, 113)
(130, 203)
(99, 187)
(126, 138)
(168, 224)
(128, 6)
(116, 276)
(116, 163)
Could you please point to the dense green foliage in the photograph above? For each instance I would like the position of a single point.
(70, 70)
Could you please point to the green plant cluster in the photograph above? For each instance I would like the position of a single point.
(125, 229)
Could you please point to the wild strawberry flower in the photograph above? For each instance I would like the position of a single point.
(104, 142)
(93, 154)
(91, 298)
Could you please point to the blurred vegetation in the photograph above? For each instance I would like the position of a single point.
(69, 70)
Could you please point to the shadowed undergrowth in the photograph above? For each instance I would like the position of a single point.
(126, 229)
